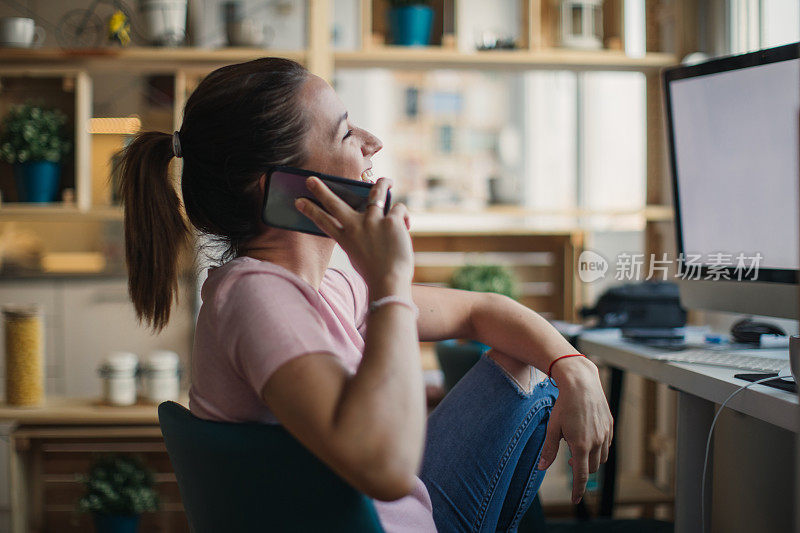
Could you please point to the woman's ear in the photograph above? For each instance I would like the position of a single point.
(262, 181)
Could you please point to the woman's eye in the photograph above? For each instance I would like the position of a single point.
(346, 135)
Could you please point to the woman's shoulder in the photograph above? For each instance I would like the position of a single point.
(245, 278)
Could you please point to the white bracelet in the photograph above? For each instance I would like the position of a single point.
(392, 299)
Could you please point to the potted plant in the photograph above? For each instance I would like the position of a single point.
(118, 490)
(410, 22)
(456, 356)
(31, 139)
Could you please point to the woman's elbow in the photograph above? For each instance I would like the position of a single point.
(386, 477)
(390, 486)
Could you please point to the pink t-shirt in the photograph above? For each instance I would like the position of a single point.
(256, 316)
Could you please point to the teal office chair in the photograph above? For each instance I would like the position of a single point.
(256, 477)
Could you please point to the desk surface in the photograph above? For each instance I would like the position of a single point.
(711, 383)
(75, 411)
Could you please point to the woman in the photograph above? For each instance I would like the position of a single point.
(333, 355)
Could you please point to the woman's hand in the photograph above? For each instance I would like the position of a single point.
(379, 247)
(581, 416)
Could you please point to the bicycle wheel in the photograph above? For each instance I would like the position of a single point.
(80, 28)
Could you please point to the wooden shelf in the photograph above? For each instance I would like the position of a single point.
(150, 59)
(557, 59)
(77, 411)
(146, 58)
(57, 211)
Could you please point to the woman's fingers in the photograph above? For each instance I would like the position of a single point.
(400, 211)
(318, 216)
(605, 449)
(580, 474)
(332, 203)
(550, 446)
(594, 459)
(377, 197)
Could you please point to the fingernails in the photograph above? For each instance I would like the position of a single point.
(312, 182)
(300, 204)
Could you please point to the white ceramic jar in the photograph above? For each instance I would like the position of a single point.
(161, 376)
(119, 378)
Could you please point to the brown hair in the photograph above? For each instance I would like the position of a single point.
(241, 120)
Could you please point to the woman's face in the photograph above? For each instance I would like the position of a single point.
(333, 144)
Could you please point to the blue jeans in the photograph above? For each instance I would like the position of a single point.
(482, 449)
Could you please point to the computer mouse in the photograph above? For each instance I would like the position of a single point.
(748, 331)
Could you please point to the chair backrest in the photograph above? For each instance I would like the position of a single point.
(256, 477)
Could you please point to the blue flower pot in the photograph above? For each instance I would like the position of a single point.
(111, 523)
(411, 25)
(456, 358)
(37, 181)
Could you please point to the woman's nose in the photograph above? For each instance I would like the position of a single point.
(371, 144)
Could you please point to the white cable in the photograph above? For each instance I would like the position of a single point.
(708, 444)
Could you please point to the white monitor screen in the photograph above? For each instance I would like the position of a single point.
(735, 136)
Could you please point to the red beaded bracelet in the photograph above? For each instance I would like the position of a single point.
(557, 359)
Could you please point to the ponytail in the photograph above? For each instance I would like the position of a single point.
(155, 230)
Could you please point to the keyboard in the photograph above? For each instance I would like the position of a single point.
(727, 359)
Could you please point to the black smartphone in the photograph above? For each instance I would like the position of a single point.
(285, 184)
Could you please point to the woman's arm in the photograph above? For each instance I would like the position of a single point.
(368, 427)
(580, 415)
(444, 313)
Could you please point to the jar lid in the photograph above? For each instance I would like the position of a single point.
(18, 311)
(121, 362)
(162, 360)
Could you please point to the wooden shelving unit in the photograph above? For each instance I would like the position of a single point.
(26, 211)
(536, 50)
(135, 59)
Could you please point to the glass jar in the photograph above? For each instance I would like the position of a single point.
(119, 378)
(161, 376)
(24, 355)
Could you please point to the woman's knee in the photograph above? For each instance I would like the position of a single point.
(520, 372)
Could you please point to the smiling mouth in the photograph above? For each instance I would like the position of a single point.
(367, 176)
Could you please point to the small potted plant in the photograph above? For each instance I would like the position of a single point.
(118, 490)
(410, 22)
(32, 139)
(456, 356)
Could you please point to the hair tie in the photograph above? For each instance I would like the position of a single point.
(176, 145)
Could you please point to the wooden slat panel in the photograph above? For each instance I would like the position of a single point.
(543, 264)
(62, 462)
(440, 274)
(166, 521)
(70, 493)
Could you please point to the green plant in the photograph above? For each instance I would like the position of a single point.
(32, 133)
(406, 3)
(118, 485)
(484, 278)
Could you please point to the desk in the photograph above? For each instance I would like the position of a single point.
(47, 446)
(699, 388)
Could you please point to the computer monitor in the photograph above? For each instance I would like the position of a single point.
(733, 139)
